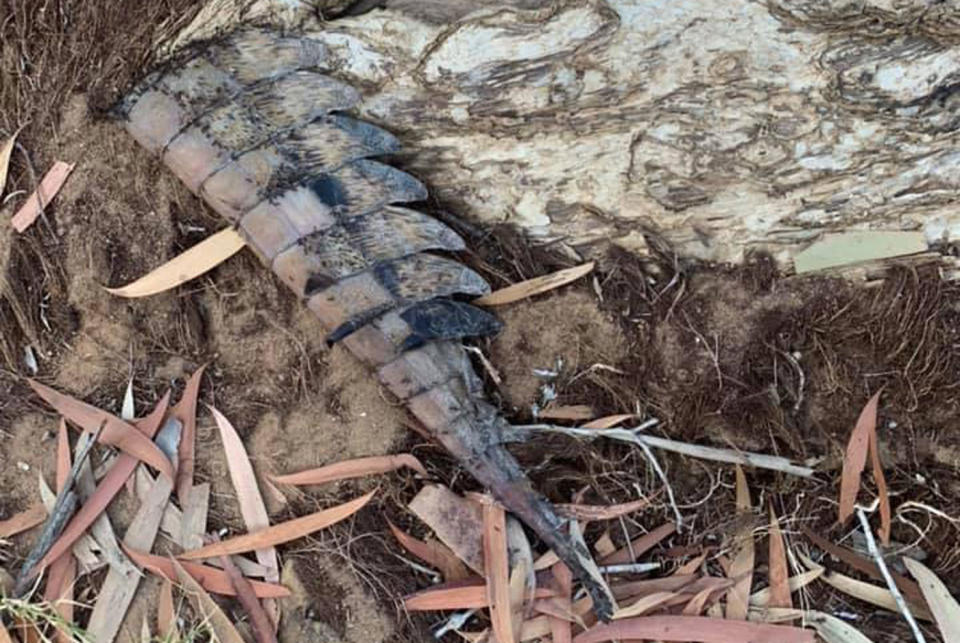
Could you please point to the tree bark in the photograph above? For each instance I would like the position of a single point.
(722, 125)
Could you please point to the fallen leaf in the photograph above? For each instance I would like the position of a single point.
(523, 580)
(572, 413)
(145, 634)
(496, 563)
(59, 589)
(741, 566)
(50, 184)
(692, 565)
(260, 622)
(604, 545)
(282, 533)
(456, 521)
(252, 508)
(602, 512)
(349, 469)
(910, 589)
(116, 432)
(213, 579)
(109, 487)
(855, 457)
(694, 628)
(779, 572)
(881, 482)
(946, 610)
(186, 412)
(127, 409)
(5, 635)
(465, 594)
(696, 604)
(630, 589)
(207, 608)
(608, 422)
(643, 605)
(5, 153)
(166, 612)
(830, 628)
(434, 553)
(532, 287)
(761, 598)
(22, 521)
(560, 628)
(640, 546)
(187, 265)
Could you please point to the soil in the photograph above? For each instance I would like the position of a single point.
(728, 356)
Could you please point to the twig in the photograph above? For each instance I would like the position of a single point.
(878, 557)
(666, 483)
(63, 508)
(455, 622)
(630, 568)
(633, 436)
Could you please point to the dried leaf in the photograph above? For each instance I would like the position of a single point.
(830, 628)
(694, 628)
(5, 635)
(36, 202)
(643, 605)
(186, 412)
(109, 487)
(145, 635)
(631, 589)
(252, 507)
(560, 628)
(465, 594)
(640, 546)
(497, 566)
(213, 579)
(22, 521)
(602, 512)
(63, 454)
(59, 589)
(259, 621)
(761, 598)
(779, 572)
(604, 545)
(608, 422)
(352, 469)
(282, 533)
(532, 287)
(881, 482)
(187, 265)
(855, 457)
(695, 606)
(5, 153)
(127, 409)
(116, 432)
(435, 554)
(741, 567)
(692, 565)
(457, 522)
(573, 413)
(910, 589)
(207, 608)
(166, 613)
(945, 608)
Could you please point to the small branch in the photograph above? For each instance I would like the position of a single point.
(634, 436)
(666, 483)
(630, 568)
(881, 563)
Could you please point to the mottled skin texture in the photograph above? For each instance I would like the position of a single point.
(250, 125)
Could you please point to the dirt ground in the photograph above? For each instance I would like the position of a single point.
(729, 356)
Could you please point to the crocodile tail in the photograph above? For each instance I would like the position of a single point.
(254, 125)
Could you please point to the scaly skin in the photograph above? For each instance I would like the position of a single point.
(253, 127)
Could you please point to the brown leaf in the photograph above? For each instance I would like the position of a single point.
(435, 554)
(457, 522)
(116, 432)
(779, 572)
(166, 612)
(944, 606)
(186, 412)
(855, 457)
(532, 287)
(573, 413)
(560, 628)
(631, 589)
(213, 579)
(207, 608)
(109, 487)
(189, 264)
(59, 589)
(741, 567)
(352, 469)
(881, 482)
(63, 454)
(644, 605)
(640, 545)
(696, 604)
(50, 184)
(692, 565)
(282, 533)
(22, 521)
(465, 594)
(602, 512)
(252, 507)
(496, 562)
(5, 153)
(259, 621)
(694, 628)
(608, 422)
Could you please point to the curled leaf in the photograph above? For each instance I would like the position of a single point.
(434, 553)
(352, 469)
(50, 184)
(855, 457)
